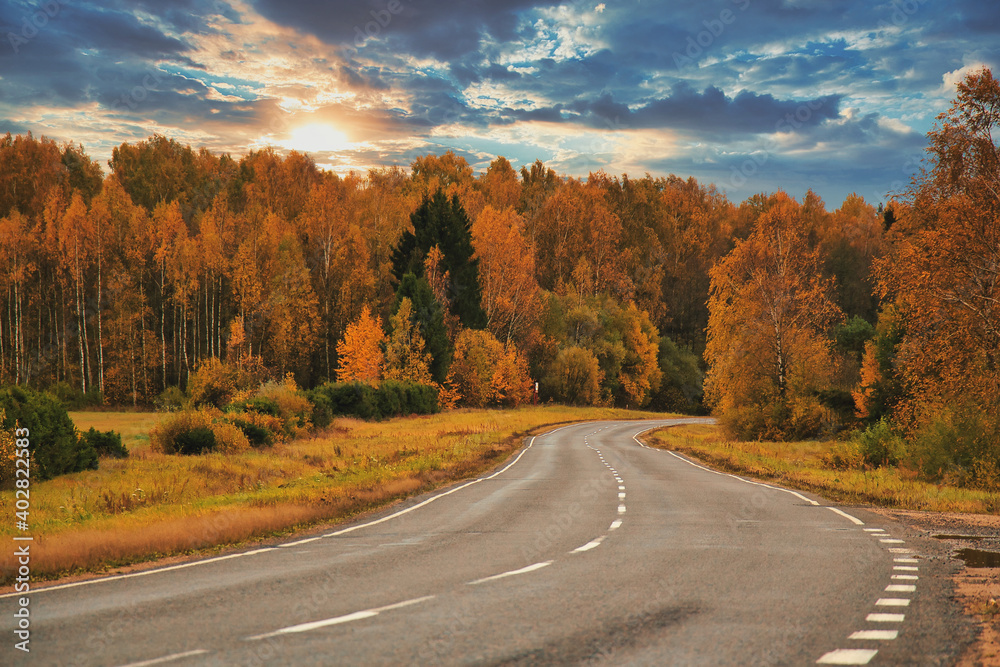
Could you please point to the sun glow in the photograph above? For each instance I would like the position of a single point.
(316, 137)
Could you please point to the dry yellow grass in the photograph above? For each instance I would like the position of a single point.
(133, 426)
(803, 465)
(152, 504)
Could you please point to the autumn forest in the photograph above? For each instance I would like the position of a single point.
(787, 317)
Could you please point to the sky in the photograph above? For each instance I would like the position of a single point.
(752, 95)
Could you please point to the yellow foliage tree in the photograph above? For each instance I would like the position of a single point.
(770, 312)
(360, 351)
(405, 358)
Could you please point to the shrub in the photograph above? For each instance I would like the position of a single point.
(844, 455)
(197, 432)
(958, 447)
(8, 455)
(164, 436)
(292, 406)
(106, 443)
(198, 440)
(261, 430)
(390, 399)
(262, 405)
(170, 399)
(322, 412)
(216, 384)
(229, 439)
(55, 446)
(880, 446)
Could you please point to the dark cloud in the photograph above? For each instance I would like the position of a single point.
(443, 29)
(710, 111)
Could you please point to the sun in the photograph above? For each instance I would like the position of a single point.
(316, 137)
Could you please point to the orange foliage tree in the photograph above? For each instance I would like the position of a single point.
(360, 351)
(943, 271)
(511, 297)
(770, 313)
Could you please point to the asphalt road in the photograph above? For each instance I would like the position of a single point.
(586, 547)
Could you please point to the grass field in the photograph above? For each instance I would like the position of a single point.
(151, 505)
(803, 465)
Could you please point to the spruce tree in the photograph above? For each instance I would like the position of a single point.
(445, 224)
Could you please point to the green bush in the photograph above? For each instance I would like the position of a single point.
(391, 399)
(257, 435)
(106, 443)
(880, 446)
(959, 447)
(198, 440)
(322, 412)
(55, 446)
(263, 405)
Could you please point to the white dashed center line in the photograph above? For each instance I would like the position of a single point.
(848, 656)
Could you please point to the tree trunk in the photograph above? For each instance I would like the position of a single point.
(163, 325)
(100, 326)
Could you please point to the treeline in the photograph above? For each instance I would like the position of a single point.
(788, 360)
(119, 287)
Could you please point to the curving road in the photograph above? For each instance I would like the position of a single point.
(587, 547)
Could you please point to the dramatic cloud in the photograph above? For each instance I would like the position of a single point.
(749, 94)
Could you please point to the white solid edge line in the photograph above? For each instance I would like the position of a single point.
(337, 620)
(424, 503)
(737, 477)
(847, 516)
(167, 658)
(880, 635)
(132, 575)
(848, 656)
(511, 573)
(257, 551)
(299, 543)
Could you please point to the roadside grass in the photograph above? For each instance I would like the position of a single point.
(152, 505)
(803, 465)
(132, 426)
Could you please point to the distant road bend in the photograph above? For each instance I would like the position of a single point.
(585, 547)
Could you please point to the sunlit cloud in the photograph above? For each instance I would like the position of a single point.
(583, 86)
